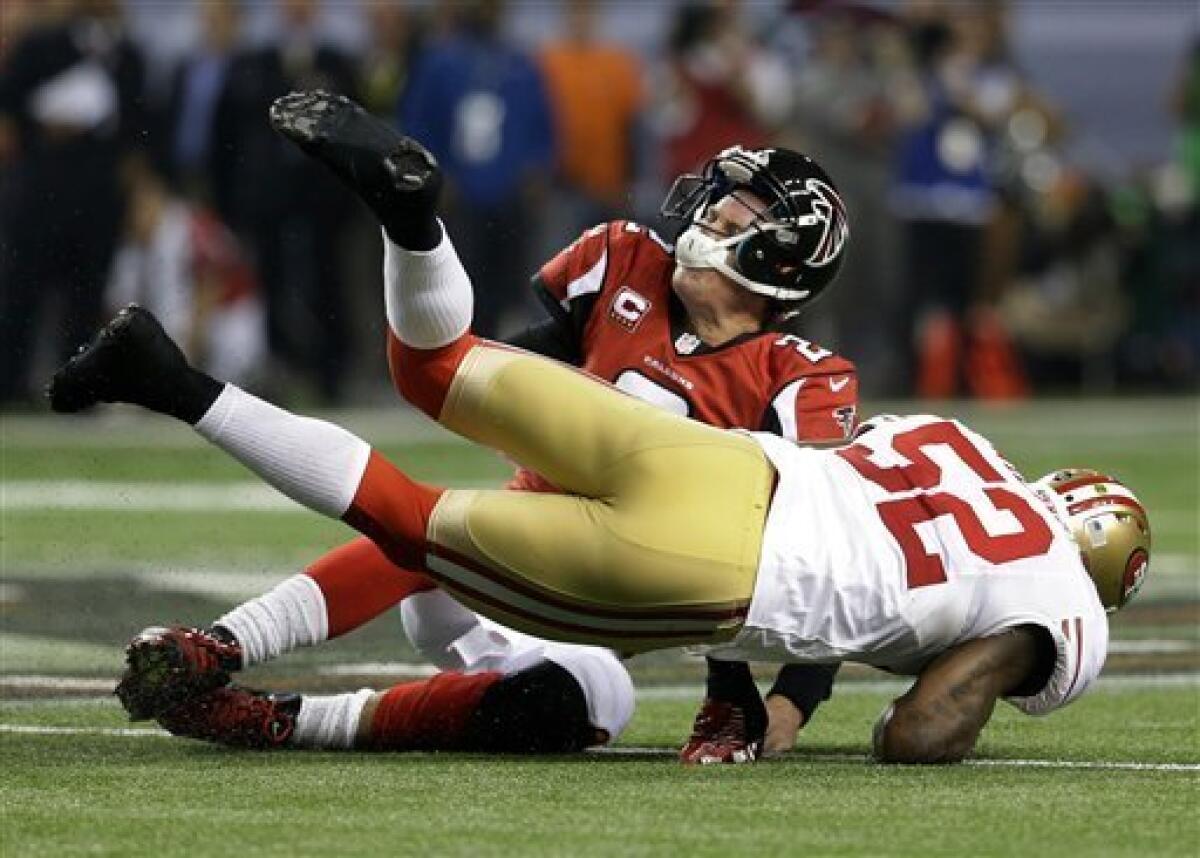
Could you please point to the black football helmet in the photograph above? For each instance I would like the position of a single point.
(793, 248)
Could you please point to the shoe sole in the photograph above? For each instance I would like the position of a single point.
(160, 667)
(299, 116)
(310, 119)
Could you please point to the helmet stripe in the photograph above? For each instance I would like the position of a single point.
(1080, 482)
(1103, 500)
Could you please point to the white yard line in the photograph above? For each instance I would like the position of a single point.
(234, 495)
(377, 668)
(31, 730)
(1114, 684)
(625, 750)
(394, 422)
(797, 756)
(241, 496)
(92, 684)
(75, 684)
(1152, 646)
(1110, 684)
(124, 427)
(130, 496)
(1090, 764)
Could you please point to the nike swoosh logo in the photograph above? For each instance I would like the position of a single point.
(836, 384)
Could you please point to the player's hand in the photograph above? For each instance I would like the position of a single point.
(784, 721)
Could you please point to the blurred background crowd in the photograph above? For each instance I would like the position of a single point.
(1022, 178)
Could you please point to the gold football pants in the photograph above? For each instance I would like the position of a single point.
(655, 541)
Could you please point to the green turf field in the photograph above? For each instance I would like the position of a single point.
(111, 524)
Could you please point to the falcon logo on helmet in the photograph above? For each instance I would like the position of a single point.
(829, 209)
(1110, 526)
(795, 245)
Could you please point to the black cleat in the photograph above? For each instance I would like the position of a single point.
(394, 175)
(130, 360)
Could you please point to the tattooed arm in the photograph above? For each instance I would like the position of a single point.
(941, 716)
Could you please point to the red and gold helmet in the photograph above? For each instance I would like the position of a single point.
(1110, 526)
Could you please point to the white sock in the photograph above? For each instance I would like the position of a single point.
(427, 294)
(290, 615)
(329, 722)
(313, 462)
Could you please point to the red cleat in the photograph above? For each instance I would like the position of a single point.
(237, 717)
(166, 666)
(719, 735)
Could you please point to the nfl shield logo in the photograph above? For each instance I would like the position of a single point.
(687, 343)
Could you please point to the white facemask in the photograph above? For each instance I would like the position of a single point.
(697, 248)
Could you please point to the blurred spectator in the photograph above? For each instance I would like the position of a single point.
(71, 110)
(848, 89)
(1186, 104)
(721, 88)
(19, 17)
(1162, 347)
(180, 262)
(393, 34)
(286, 208)
(195, 91)
(480, 105)
(1098, 277)
(1067, 309)
(596, 91)
(1161, 223)
(944, 195)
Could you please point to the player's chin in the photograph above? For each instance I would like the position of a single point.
(692, 283)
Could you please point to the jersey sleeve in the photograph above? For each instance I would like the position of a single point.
(569, 284)
(815, 402)
(548, 338)
(1081, 644)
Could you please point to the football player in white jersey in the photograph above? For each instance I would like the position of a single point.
(916, 548)
(919, 550)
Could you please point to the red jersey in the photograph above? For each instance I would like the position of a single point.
(613, 288)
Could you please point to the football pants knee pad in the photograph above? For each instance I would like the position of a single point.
(606, 684)
(450, 637)
(538, 710)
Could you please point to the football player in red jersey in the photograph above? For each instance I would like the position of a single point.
(706, 330)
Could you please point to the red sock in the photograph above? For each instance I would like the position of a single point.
(393, 511)
(360, 583)
(430, 715)
(423, 376)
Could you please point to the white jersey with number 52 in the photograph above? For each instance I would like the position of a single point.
(916, 537)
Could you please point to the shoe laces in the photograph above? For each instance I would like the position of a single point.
(206, 653)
